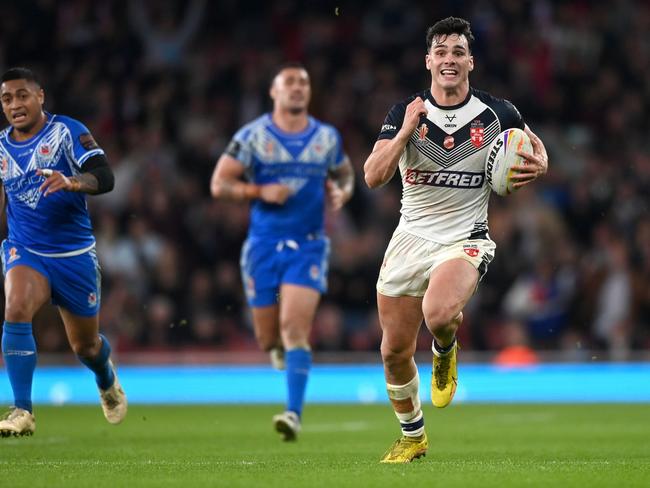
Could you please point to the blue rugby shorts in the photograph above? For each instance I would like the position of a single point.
(75, 281)
(266, 264)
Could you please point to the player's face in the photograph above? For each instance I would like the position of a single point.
(291, 90)
(450, 61)
(22, 103)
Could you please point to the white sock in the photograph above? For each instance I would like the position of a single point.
(442, 351)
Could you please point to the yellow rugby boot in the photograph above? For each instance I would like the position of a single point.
(17, 422)
(444, 378)
(406, 449)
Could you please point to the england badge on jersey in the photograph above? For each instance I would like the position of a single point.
(476, 130)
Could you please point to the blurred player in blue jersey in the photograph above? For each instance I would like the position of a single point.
(292, 164)
(48, 163)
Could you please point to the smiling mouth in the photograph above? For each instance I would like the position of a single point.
(448, 72)
(19, 117)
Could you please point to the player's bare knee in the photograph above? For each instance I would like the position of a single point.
(19, 310)
(395, 355)
(295, 333)
(441, 318)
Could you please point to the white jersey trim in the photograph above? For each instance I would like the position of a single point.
(68, 254)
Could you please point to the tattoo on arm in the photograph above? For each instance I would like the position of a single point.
(85, 182)
(344, 177)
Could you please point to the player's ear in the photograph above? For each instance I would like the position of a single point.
(41, 96)
(427, 61)
(272, 89)
(471, 63)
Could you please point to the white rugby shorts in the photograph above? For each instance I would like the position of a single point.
(409, 261)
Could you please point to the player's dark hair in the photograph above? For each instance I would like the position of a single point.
(20, 73)
(287, 65)
(448, 26)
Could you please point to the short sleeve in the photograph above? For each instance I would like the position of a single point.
(239, 147)
(337, 156)
(393, 122)
(83, 143)
(510, 116)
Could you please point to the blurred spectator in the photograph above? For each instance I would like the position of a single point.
(516, 351)
(612, 319)
(164, 84)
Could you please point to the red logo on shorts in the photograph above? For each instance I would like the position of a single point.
(472, 252)
(92, 299)
(314, 272)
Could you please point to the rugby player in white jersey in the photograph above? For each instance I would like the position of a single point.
(438, 138)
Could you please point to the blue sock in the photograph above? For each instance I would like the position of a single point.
(298, 362)
(104, 376)
(19, 353)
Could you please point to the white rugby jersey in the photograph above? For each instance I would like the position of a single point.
(444, 191)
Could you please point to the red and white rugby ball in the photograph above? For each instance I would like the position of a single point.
(502, 156)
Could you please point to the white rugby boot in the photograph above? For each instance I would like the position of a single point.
(17, 422)
(113, 400)
(288, 424)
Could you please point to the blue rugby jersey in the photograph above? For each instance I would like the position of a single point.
(58, 223)
(299, 160)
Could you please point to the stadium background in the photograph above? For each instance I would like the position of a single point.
(163, 85)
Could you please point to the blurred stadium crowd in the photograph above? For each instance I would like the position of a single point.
(163, 85)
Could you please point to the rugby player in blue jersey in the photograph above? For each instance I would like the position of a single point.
(438, 138)
(286, 164)
(48, 163)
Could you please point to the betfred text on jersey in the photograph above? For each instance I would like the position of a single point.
(452, 179)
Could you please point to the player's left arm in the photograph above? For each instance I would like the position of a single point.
(96, 177)
(340, 184)
(536, 163)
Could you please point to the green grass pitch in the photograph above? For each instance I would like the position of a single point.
(340, 446)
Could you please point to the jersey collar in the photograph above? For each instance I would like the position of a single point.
(449, 107)
(48, 120)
